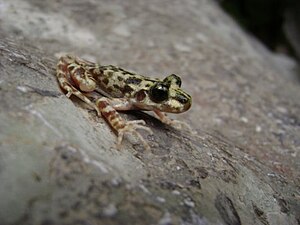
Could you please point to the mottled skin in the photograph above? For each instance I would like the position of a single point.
(123, 90)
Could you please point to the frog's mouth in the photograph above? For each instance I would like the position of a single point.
(181, 102)
(174, 106)
(187, 106)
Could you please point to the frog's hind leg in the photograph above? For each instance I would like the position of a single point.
(68, 72)
(120, 125)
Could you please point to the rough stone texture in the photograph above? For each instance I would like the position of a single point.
(58, 162)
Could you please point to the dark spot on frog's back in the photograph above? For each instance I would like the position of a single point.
(133, 80)
(127, 89)
(120, 78)
(105, 81)
(125, 72)
(110, 73)
(113, 68)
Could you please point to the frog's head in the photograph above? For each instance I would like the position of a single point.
(168, 96)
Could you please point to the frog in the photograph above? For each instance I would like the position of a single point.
(122, 90)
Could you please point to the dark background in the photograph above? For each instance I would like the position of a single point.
(275, 22)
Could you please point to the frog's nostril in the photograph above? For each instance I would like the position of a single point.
(182, 98)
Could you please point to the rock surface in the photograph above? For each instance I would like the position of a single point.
(58, 162)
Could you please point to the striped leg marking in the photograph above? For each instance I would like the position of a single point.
(120, 125)
(71, 75)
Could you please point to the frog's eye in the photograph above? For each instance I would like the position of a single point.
(172, 79)
(159, 92)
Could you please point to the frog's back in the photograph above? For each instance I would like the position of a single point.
(117, 82)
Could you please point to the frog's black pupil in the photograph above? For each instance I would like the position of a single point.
(159, 93)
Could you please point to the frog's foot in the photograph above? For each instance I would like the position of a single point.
(120, 125)
(180, 125)
(131, 127)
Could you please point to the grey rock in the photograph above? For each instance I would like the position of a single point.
(58, 162)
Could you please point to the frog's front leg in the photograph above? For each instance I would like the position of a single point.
(72, 76)
(108, 108)
(175, 123)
